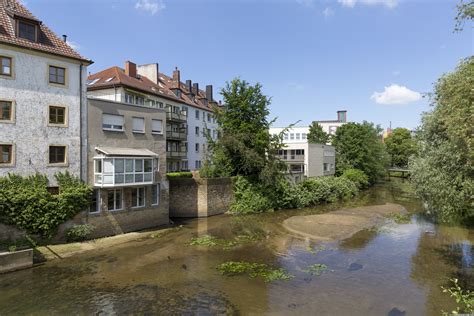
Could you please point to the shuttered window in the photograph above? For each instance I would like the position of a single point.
(157, 127)
(112, 122)
(138, 125)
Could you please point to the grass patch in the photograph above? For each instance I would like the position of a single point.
(401, 218)
(254, 270)
(316, 269)
(211, 241)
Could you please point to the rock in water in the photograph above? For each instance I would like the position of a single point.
(396, 312)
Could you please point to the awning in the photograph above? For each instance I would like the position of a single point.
(129, 152)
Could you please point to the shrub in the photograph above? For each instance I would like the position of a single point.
(26, 203)
(79, 232)
(249, 197)
(357, 176)
(186, 174)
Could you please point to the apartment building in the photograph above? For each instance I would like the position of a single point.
(42, 98)
(127, 166)
(186, 105)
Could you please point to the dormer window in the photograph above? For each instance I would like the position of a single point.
(27, 30)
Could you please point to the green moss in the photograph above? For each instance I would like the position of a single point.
(316, 269)
(254, 270)
(211, 241)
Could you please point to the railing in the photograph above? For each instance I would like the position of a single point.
(176, 135)
(292, 157)
(172, 116)
(176, 154)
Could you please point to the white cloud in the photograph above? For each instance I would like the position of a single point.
(74, 45)
(395, 94)
(328, 12)
(150, 6)
(351, 3)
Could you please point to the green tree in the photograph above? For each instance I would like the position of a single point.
(443, 172)
(316, 134)
(360, 146)
(245, 146)
(400, 147)
(465, 12)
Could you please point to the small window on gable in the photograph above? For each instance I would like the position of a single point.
(27, 30)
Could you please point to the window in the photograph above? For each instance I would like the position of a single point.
(208, 117)
(57, 115)
(57, 75)
(303, 136)
(184, 165)
(129, 98)
(6, 111)
(197, 147)
(27, 31)
(197, 130)
(114, 200)
(138, 197)
(57, 154)
(156, 126)
(203, 148)
(120, 171)
(208, 132)
(5, 66)
(140, 100)
(6, 152)
(297, 136)
(112, 122)
(285, 136)
(197, 164)
(138, 125)
(326, 167)
(95, 204)
(203, 116)
(155, 194)
(292, 136)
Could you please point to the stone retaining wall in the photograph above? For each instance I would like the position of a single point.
(11, 261)
(199, 197)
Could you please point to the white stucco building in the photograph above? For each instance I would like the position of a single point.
(42, 98)
(189, 109)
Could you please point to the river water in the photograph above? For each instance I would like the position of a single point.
(396, 269)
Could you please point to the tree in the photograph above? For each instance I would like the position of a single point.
(360, 146)
(317, 135)
(465, 12)
(443, 172)
(245, 146)
(400, 146)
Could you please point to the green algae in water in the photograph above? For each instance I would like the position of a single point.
(211, 241)
(401, 218)
(316, 269)
(315, 251)
(254, 270)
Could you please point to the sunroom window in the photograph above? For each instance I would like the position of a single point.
(110, 172)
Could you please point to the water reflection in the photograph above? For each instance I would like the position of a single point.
(392, 270)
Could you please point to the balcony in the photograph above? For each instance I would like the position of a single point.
(176, 135)
(176, 117)
(292, 157)
(119, 171)
(176, 154)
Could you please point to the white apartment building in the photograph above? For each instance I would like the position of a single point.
(189, 110)
(42, 98)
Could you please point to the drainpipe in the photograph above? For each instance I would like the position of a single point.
(82, 121)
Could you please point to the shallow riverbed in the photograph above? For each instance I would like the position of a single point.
(389, 270)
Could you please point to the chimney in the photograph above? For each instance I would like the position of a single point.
(65, 38)
(151, 71)
(130, 69)
(176, 79)
(189, 86)
(209, 93)
(342, 116)
(196, 89)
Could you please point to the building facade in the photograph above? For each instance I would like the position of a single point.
(42, 98)
(189, 110)
(127, 167)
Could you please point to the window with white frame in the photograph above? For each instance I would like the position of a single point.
(292, 136)
(155, 194)
(297, 136)
(303, 136)
(285, 136)
(95, 204)
(197, 114)
(208, 117)
(115, 200)
(112, 122)
(197, 164)
(138, 125)
(156, 126)
(138, 197)
(123, 171)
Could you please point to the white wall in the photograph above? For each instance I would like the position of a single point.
(200, 139)
(31, 93)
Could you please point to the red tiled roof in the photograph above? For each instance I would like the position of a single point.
(116, 76)
(48, 42)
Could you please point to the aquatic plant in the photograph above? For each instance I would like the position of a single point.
(316, 269)
(211, 241)
(401, 218)
(316, 250)
(464, 298)
(254, 270)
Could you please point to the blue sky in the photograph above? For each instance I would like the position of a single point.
(372, 58)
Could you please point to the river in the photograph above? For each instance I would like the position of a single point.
(396, 269)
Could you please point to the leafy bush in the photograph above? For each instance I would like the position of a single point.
(79, 232)
(26, 203)
(357, 176)
(173, 175)
(249, 198)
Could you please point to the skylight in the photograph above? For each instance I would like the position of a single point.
(92, 82)
(110, 79)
